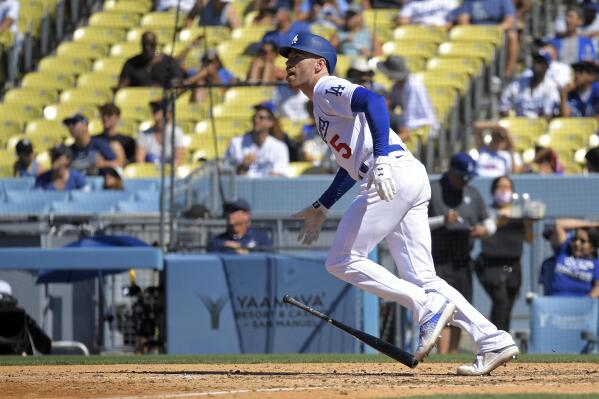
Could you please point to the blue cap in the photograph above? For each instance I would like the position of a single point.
(238, 204)
(463, 164)
(76, 118)
(313, 44)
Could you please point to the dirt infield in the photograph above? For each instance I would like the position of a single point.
(252, 381)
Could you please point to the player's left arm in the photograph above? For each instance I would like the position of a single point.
(374, 108)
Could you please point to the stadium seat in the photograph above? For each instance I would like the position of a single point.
(128, 6)
(102, 80)
(137, 170)
(410, 48)
(138, 207)
(147, 195)
(136, 185)
(420, 32)
(574, 129)
(162, 20)
(107, 197)
(43, 160)
(9, 128)
(64, 64)
(137, 96)
(237, 64)
(6, 165)
(20, 112)
(48, 80)
(249, 34)
(112, 19)
(109, 65)
(23, 208)
(492, 34)
(293, 128)
(484, 51)
(164, 35)
(125, 50)
(215, 34)
(34, 96)
(457, 80)
(524, 131)
(472, 66)
(100, 35)
(224, 127)
(57, 112)
(82, 49)
(16, 184)
(80, 208)
(191, 111)
(248, 94)
(126, 127)
(87, 95)
(135, 113)
(296, 169)
(50, 129)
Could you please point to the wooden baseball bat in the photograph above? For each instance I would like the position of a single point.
(384, 347)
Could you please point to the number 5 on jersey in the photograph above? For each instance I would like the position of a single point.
(343, 149)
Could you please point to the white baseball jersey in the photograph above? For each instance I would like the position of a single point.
(346, 132)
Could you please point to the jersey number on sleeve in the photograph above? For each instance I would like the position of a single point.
(342, 148)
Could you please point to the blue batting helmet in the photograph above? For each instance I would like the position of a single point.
(313, 44)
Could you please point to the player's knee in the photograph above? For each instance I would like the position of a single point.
(336, 265)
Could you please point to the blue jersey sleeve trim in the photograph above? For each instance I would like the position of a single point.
(341, 184)
(375, 108)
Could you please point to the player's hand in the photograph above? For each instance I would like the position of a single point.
(383, 179)
(478, 231)
(313, 217)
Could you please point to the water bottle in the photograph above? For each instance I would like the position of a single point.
(516, 207)
(525, 205)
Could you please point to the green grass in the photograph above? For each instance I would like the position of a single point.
(510, 396)
(265, 358)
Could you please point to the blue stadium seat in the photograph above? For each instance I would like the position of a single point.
(35, 196)
(147, 196)
(29, 207)
(138, 207)
(95, 182)
(141, 184)
(81, 208)
(105, 197)
(21, 183)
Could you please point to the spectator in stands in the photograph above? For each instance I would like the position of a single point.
(61, 177)
(113, 178)
(457, 216)
(572, 47)
(561, 73)
(575, 267)
(149, 141)
(263, 68)
(360, 72)
(88, 153)
(289, 103)
(355, 38)
(583, 94)
(546, 162)
(239, 237)
(9, 32)
(277, 131)
(211, 72)
(532, 96)
(499, 157)
(409, 94)
(285, 30)
(265, 15)
(150, 67)
(494, 12)
(498, 265)
(171, 5)
(25, 165)
(326, 13)
(214, 13)
(427, 12)
(123, 146)
(592, 158)
(258, 153)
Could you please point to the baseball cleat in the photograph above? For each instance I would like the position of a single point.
(430, 331)
(489, 361)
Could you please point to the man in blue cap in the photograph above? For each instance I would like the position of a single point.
(457, 216)
(391, 205)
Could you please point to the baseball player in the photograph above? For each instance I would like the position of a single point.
(392, 204)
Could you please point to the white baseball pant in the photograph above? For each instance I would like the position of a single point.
(403, 222)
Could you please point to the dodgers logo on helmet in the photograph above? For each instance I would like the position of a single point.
(313, 44)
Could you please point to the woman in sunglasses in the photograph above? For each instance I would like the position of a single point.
(576, 271)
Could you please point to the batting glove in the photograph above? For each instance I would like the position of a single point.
(383, 178)
(313, 216)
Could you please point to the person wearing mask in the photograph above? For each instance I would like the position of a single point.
(149, 141)
(150, 67)
(122, 146)
(259, 153)
(239, 237)
(61, 177)
(88, 153)
(457, 216)
(25, 165)
(498, 266)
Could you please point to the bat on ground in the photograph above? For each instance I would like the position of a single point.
(384, 347)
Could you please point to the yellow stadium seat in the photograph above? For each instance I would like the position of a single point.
(87, 95)
(380, 21)
(484, 51)
(125, 50)
(237, 64)
(137, 96)
(296, 169)
(135, 112)
(82, 49)
(98, 34)
(113, 19)
(109, 65)
(65, 64)
(98, 79)
(186, 169)
(293, 128)
(215, 34)
(128, 6)
(46, 128)
(574, 130)
(139, 170)
(126, 127)
(524, 131)
(410, 48)
(234, 110)
(191, 111)
(162, 20)
(231, 48)
(472, 66)
(9, 128)
(6, 166)
(420, 32)
(457, 80)
(48, 80)
(21, 112)
(164, 35)
(443, 98)
(44, 162)
(249, 34)
(248, 94)
(31, 95)
(60, 111)
(224, 127)
(492, 34)
(31, 13)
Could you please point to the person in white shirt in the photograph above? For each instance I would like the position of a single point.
(499, 157)
(166, 5)
(410, 95)
(257, 153)
(149, 141)
(532, 96)
(427, 12)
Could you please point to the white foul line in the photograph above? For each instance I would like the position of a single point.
(214, 393)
